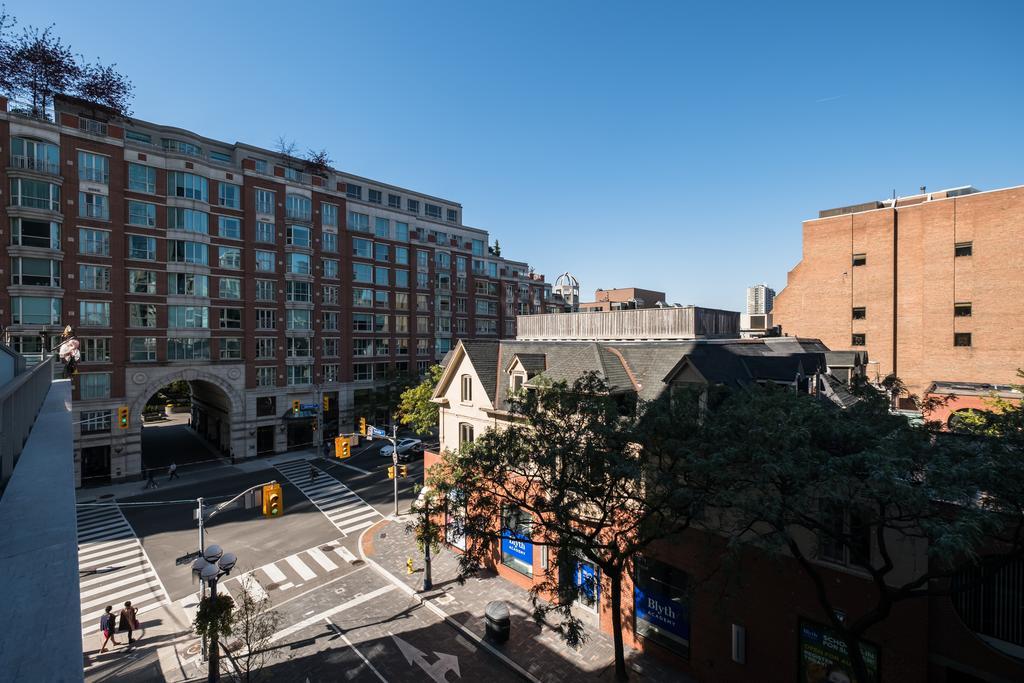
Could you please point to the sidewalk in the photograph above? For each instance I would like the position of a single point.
(536, 652)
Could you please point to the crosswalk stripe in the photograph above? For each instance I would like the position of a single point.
(334, 510)
(104, 534)
(133, 578)
(103, 577)
(99, 523)
(345, 554)
(273, 573)
(339, 495)
(254, 589)
(89, 513)
(349, 517)
(107, 553)
(140, 602)
(93, 546)
(148, 588)
(357, 527)
(298, 565)
(344, 508)
(322, 559)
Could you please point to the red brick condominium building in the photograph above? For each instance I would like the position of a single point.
(179, 257)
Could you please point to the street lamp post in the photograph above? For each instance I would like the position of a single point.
(394, 461)
(214, 564)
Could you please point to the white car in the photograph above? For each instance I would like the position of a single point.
(405, 448)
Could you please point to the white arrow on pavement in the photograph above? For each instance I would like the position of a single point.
(438, 670)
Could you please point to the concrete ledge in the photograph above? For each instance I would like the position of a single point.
(39, 553)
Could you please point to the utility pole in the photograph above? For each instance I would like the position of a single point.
(394, 461)
(202, 584)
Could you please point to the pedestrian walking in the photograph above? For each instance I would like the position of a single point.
(151, 481)
(312, 474)
(128, 620)
(327, 448)
(172, 472)
(107, 628)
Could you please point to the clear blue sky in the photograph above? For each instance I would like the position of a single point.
(674, 146)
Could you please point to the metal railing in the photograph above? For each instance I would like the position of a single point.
(20, 400)
(94, 211)
(92, 126)
(35, 164)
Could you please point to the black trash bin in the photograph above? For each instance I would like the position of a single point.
(499, 621)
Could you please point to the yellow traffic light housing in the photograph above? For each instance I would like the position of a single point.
(342, 447)
(273, 503)
(391, 472)
(295, 407)
(327, 402)
(362, 426)
(123, 417)
(403, 470)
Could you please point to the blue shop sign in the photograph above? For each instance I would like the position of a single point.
(668, 617)
(586, 580)
(517, 546)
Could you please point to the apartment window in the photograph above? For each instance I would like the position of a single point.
(229, 257)
(94, 385)
(188, 284)
(141, 315)
(381, 347)
(266, 377)
(860, 259)
(293, 174)
(265, 290)
(231, 348)
(35, 271)
(188, 186)
(858, 340)
(460, 326)
(962, 309)
(27, 232)
(422, 302)
(141, 213)
(860, 313)
(93, 168)
(401, 278)
(230, 288)
(381, 276)
(380, 323)
(362, 347)
(962, 339)
(402, 347)
(422, 260)
(265, 202)
(330, 320)
(422, 349)
(362, 372)
(142, 349)
(382, 299)
(188, 220)
(330, 242)
(847, 539)
(138, 137)
(331, 346)
(466, 395)
(487, 327)
(394, 201)
(181, 147)
(465, 433)
(359, 222)
(401, 256)
(92, 205)
(374, 196)
(96, 350)
(443, 260)
(264, 232)
(298, 347)
(230, 227)
(186, 348)
(141, 248)
(963, 249)
(461, 305)
(300, 374)
(362, 322)
(297, 236)
(422, 324)
(299, 319)
(381, 252)
(330, 295)
(382, 228)
(362, 272)
(401, 231)
(141, 178)
(298, 291)
(329, 214)
(35, 155)
(402, 301)
(265, 261)
(266, 348)
(183, 251)
(220, 157)
(432, 211)
(141, 282)
(412, 205)
(298, 207)
(401, 324)
(94, 421)
(354, 191)
(331, 373)
(362, 248)
(422, 280)
(35, 194)
(266, 319)
(229, 195)
(452, 216)
(298, 263)
(34, 310)
(93, 278)
(477, 247)
(194, 317)
(362, 298)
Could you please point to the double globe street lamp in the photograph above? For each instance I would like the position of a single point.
(214, 564)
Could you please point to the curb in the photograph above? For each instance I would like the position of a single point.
(411, 592)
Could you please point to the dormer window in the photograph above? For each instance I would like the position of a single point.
(467, 389)
(517, 381)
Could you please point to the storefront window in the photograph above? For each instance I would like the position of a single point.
(825, 657)
(661, 605)
(454, 533)
(516, 548)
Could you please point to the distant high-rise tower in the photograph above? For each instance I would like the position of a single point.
(568, 287)
(760, 299)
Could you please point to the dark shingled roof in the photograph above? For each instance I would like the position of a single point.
(483, 354)
(533, 363)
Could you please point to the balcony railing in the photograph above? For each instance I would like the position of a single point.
(34, 164)
(36, 202)
(92, 126)
(93, 211)
(298, 215)
(20, 400)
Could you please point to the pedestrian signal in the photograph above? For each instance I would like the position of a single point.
(295, 407)
(362, 426)
(273, 504)
(403, 470)
(391, 472)
(342, 447)
(122, 417)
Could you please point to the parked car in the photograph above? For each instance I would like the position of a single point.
(406, 447)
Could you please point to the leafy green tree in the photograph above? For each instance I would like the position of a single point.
(415, 410)
(254, 624)
(1004, 419)
(598, 477)
(428, 527)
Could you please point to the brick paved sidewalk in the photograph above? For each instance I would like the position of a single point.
(537, 649)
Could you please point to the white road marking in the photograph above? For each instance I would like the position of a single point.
(286, 586)
(322, 559)
(253, 588)
(346, 554)
(357, 527)
(299, 566)
(334, 627)
(273, 573)
(354, 602)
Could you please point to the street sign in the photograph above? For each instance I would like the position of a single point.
(187, 559)
(377, 431)
(310, 406)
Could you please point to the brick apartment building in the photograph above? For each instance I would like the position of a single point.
(623, 298)
(929, 285)
(178, 257)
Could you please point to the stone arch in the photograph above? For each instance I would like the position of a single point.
(169, 375)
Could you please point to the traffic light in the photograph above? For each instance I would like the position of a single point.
(272, 503)
(342, 447)
(391, 472)
(122, 417)
(362, 426)
(295, 407)
(327, 403)
(403, 470)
